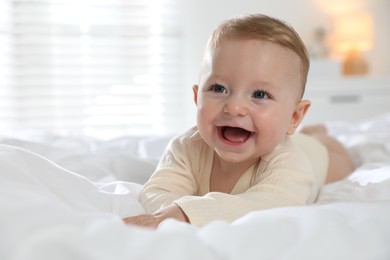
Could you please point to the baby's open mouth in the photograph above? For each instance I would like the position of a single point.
(235, 134)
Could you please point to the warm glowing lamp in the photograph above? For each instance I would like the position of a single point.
(354, 35)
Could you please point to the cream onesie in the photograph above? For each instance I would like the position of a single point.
(291, 175)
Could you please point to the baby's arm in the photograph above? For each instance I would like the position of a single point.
(278, 191)
(171, 181)
(200, 210)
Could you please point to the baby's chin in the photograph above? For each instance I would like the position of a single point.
(235, 157)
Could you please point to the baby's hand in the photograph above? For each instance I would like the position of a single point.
(144, 220)
(153, 220)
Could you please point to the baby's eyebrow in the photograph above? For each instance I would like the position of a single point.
(216, 79)
(216, 76)
(266, 84)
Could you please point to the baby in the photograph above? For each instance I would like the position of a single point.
(243, 155)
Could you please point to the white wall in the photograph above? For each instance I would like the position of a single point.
(200, 17)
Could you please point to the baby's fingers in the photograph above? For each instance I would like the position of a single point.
(144, 220)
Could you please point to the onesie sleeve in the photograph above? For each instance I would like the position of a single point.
(172, 179)
(230, 207)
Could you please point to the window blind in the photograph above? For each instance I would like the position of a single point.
(103, 68)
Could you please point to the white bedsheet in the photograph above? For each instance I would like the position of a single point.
(48, 212)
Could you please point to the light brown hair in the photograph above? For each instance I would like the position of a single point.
(265, 28)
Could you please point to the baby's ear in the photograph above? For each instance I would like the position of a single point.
(195, 90)
(298, 115)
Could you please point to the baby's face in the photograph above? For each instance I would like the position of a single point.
(246, 99)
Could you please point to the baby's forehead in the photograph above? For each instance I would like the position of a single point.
(258, 47)
(220, 57)
(263, 44)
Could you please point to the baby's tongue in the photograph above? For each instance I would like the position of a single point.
(235, 134)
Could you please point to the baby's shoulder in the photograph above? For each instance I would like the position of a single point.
(189, 137)
(190, 140)
(288, 153)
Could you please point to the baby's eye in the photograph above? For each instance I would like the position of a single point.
(261, 94)
(218, 88)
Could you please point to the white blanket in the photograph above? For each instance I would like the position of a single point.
(48, 212)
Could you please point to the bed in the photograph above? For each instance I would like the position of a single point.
(63, 197)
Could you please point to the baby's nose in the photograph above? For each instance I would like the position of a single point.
(236, 107)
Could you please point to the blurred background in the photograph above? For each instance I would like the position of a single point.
(109, 68)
